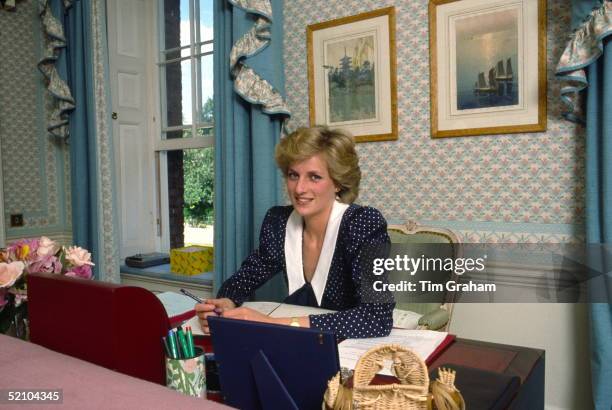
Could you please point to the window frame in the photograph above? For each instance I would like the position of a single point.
(160, 145)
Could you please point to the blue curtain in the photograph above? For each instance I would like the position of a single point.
(76, 71)
(75, 65)
(83, 161)
(597, 65)
(247, 182)
(599, 216)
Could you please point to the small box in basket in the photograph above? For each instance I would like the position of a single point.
(191, 260)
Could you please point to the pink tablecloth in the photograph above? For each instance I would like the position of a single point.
(25, 365)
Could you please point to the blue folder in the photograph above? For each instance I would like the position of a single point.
(265, 366)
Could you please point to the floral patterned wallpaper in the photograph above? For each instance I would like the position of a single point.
(502, 188)
(35, 169)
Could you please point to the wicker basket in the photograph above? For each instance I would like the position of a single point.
(411, 393)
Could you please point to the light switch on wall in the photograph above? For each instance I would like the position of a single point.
(16, 220)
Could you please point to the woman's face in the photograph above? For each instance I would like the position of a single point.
(310, 187)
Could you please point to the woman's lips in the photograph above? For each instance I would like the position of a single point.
(303, 201)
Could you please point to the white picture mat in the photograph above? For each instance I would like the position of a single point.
(380, 25)
(527, 110)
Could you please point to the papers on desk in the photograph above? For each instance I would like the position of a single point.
(421, 342)
(177, 305)
(272, 309)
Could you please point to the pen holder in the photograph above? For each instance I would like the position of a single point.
(187, 376)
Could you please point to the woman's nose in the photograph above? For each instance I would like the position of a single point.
(300, 185)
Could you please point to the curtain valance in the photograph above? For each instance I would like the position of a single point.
(58, 121)
(248, 83)
(585, 46)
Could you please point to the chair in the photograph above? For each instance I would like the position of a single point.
(436, 307)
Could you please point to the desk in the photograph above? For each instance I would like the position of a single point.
(26, 365)
(526, 363)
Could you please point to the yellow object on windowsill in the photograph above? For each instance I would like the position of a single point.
(191, 260)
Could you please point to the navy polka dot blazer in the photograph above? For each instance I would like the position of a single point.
(355, 318)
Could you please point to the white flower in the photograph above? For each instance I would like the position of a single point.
(78, 256)
(10, 272)
(47, 247)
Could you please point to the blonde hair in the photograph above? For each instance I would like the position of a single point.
(338, 149)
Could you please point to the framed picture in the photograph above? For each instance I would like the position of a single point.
(351, 75)
(487, 66)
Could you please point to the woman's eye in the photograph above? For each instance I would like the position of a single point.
(292, 176)
(315, 177)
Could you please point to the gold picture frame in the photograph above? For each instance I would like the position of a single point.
(352, 81)
(487, 67)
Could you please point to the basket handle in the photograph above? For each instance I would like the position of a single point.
(407, 365)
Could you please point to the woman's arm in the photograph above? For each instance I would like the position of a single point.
(263, 263)
(244, 313)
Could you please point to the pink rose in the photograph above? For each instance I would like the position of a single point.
(10, 272)
(22, 249)
(47, 264)
(83, 271)
(47, 247)
(78, 256)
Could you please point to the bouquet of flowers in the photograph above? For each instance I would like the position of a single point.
(36, 255)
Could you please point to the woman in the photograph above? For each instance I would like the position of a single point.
(319, 242)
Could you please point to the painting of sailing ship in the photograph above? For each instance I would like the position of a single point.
(487, 58)
(350, 65)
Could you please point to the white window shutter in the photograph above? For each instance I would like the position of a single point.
(130, 26)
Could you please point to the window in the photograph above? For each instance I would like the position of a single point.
(184, 148)
(161, 81)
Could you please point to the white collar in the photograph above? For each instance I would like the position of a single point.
(293, 251)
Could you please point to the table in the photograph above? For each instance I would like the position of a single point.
(25, 365)
(525, 363)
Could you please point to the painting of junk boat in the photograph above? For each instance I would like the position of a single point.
(487, 67)
(487, 51)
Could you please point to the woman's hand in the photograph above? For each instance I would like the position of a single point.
(212, 307)
(245, 313)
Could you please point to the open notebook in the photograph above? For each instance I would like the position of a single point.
(425, 343)
(178, 307)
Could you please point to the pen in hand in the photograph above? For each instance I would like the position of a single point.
(191, 295)
(185, 292)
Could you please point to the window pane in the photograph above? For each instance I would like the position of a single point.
(178, 93)
(202, 48)
(190, 196)
(205, 89)
(206, 131)
(206, 20)
(176, 24)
